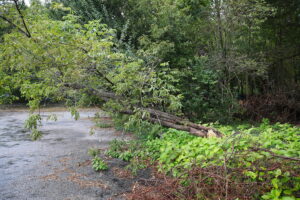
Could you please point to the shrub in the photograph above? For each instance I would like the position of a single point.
(124, 150)
(205, 97)
(98, 164)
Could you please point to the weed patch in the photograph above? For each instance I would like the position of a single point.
(98, 164)
(249, 162)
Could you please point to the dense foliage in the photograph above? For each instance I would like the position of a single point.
(64, 60)
(246, 49)
(218, 52)
(204, 60)
(263, 159)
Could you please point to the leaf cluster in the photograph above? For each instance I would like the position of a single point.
(267, 155)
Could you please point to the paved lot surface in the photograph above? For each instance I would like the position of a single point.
(57, 166)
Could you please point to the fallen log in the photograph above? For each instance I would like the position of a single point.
(173, 121)
(156, 116)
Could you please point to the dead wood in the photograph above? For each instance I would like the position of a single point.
(156, 116)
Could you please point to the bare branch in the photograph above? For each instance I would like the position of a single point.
(22, 18)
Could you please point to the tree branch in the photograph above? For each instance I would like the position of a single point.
(156, 116)
(14, 25)
(275, 155)
(103, 76)
(22, 18)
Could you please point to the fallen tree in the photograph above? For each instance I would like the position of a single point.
(65, 60)
(173, 121)
(154, 115)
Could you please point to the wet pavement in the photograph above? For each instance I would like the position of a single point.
(57, 166)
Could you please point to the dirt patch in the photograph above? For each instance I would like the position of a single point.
(50, 177)
(79, 179)
(122, 173)
(64, 160)
(85, 163)
(158, 187)
(141, 192)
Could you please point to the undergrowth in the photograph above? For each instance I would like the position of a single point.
(103, 125)
(249, 162)
(98, 164)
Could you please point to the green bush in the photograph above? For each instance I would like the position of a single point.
(142, 129)
(98, 164)
(116, 148)
(124, 150)
(265, 155)
(205, 98)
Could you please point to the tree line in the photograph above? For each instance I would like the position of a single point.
(205, 60)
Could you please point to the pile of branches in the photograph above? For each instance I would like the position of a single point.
(200, 183)
(215, 182)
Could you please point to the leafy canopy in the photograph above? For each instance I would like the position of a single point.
(72, 62)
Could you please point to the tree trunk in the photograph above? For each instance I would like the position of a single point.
(156, 116)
